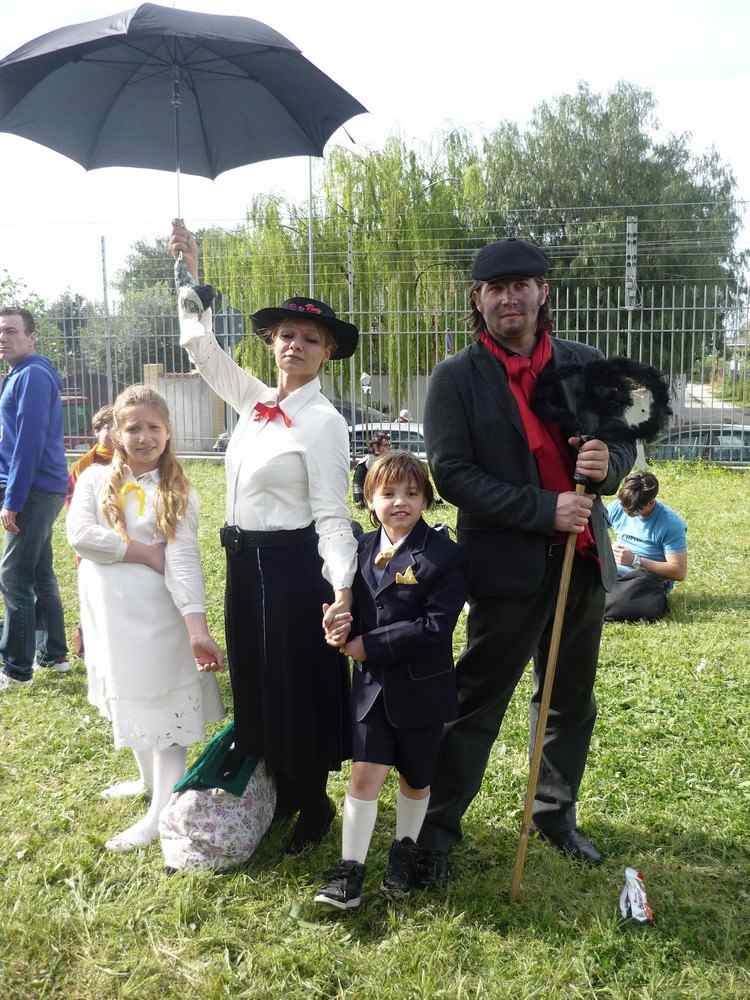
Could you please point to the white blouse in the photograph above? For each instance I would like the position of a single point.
(281, 478)
(93, 538)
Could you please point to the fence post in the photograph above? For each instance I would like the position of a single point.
(152, 373)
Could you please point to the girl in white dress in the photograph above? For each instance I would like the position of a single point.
(134, 525)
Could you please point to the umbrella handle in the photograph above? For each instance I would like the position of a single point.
(541, 723)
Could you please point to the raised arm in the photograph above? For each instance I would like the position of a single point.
(232, 383)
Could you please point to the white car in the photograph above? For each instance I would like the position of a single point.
(712, 442)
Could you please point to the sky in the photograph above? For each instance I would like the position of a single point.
(419, 66)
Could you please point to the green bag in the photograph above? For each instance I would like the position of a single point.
(219, 766)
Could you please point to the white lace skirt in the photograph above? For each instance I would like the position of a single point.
(179, 718)
(141, 671)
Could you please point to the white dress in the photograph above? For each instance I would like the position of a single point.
(141, 671)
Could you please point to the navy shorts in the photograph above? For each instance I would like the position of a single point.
(413, 752)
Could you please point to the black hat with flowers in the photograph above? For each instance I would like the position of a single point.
(345, 334)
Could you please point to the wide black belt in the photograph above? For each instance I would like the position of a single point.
(237, 540)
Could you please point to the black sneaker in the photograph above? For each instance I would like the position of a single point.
(431, 868)
(400, 875)
(344, 886)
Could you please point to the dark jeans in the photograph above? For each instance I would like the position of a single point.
(29, 587)
(502, 636)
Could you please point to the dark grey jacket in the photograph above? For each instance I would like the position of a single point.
(481, 462)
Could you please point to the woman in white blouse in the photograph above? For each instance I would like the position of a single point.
(289, 544)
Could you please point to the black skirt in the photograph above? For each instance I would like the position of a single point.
(291, 690)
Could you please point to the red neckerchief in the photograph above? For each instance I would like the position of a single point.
(546, 441)
(265, 412)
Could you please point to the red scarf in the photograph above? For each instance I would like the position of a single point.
(546, 441)
(265, 412)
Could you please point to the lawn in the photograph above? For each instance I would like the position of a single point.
(667, 789)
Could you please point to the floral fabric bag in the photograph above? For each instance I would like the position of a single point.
(204, 824)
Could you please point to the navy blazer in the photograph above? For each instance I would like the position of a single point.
(481, 462)
(407, 629)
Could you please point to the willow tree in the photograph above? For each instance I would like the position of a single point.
(395, 229)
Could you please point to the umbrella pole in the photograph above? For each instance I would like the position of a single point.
(176, 104)
(541, 723)
(310, 236)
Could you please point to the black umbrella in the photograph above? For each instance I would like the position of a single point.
(170, 89)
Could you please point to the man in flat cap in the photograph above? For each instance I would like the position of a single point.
(511, 477)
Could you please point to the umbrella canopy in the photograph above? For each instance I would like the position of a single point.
(163, 88)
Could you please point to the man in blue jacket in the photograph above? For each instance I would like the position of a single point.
(33, 481)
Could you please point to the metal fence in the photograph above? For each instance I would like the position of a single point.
(697, 335)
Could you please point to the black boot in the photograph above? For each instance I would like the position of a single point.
(313, 824)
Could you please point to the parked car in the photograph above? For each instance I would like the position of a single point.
(724, 443)
(356, 413)
(404, 436)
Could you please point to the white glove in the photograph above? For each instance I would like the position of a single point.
(195, 321)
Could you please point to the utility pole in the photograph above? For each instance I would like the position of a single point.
(107, 331)
(631, 273)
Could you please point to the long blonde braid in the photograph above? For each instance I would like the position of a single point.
(174, 486)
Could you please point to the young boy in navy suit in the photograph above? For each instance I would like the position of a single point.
(408, 592)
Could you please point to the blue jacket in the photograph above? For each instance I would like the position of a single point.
(32, 452)
(407, 629)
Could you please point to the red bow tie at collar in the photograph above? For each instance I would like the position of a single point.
(265, 412)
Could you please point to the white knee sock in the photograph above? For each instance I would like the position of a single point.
(145, 761)
(129, 789)
(168, 767)
(410, 814)
(359, 822)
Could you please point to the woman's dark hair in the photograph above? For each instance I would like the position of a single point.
(395, 467)
(543, 323)
(637, 490)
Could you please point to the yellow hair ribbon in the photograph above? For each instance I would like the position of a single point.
(138, 490)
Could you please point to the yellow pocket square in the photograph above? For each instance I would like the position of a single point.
(407, 577)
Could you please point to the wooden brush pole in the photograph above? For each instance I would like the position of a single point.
(541, 724)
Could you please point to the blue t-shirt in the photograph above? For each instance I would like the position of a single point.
(650, 537)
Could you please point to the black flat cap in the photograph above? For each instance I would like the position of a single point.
(510, 257)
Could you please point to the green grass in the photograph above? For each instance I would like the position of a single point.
(667, 789)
